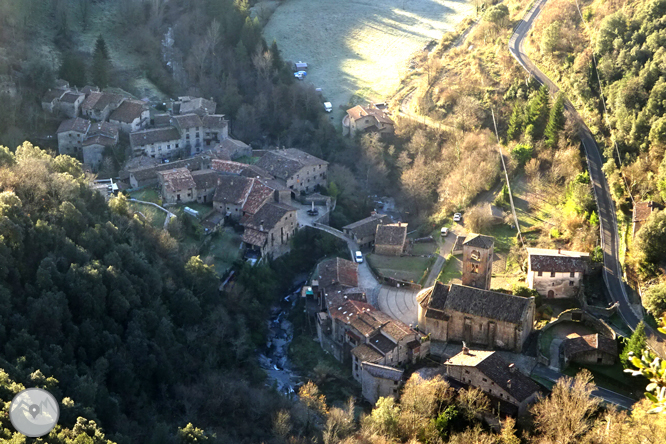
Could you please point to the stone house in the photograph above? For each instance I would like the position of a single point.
(193, 105)
(190, 128)
(297, 170)
(70, 102)
(131, 115)
(71, 135)
(160, 143)
(238, 196)
(100, 136)
(269, 230)
(215, 129)
(477, 261)
(391, 239)
(366, 119)
(232, 148)
(379, 381)
(457, 313)
(99, 105)
(51, 99)
(177, 186)
(363, 231)
(592, 349)
(641, 213)
(556, 273)
(206, 184)
(142, 171)
(498, 379)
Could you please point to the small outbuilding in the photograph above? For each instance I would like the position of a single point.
(390, 239)
(593, 349)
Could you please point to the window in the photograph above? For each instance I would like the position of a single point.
(197, 135)
(552, 274)
(485, 380)
(571, 283)
(474, 268)
(480, 327)
(467, 371)
(356, 366)
(540, 273)
(475, 255)
(395, 382)
(572, 274)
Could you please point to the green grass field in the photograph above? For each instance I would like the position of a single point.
(223, 250)
(424, 248)
(153, 216)
(452, 270)
(147, 194)
(408, 269)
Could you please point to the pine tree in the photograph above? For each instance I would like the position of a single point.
(555, 122)
(73, 69)
(516, 123)
(636, 344)
(538, 110)
(101, 65)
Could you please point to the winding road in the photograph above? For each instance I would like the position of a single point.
(612, 272)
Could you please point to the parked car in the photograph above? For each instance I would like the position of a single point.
(328, 107)
(300, 75)
(457, 217)
(444, 231)
(359, 257)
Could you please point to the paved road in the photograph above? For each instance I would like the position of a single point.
(608, 396)
(444, 250)
(612, 272)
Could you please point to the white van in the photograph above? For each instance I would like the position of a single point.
(359, 257)
(444, 232)
(328, 107)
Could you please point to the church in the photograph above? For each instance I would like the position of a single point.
(471, 312)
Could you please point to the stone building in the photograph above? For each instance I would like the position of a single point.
(196, 105)
(498, 379)
(379, 381)
(237, 196)
(190, 128)
(366, 119)
(70, 102)
(592, 349)
(391, 239)
(363, 231)
(477, 263)
(52, 98)
(160, 143)
(177, 186)
(556, 273)
(100, 136)
(71, 135)
(232, 148)
(206, 184)
(457, 313)
(641, 213)
(216, 129)
(130, 116)
(297, 170)
(270, 229)
(99, 105)
(142, 171)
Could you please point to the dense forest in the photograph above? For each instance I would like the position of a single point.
(611, 58)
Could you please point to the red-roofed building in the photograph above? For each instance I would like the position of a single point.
(366, 119)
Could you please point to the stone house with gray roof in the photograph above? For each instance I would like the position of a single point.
(366, 119)
(99, 105)
(160, 143)
(270, 229)
(177, 186)
(70, 102)
(71, 135)
(190, 128)
(457, 313)
(391, 239)
(556, 273)
(196, 105)
(130, 116)
(216, 130)
(594, 349)
(363, 231)
(297, 170)
(500, 380)
(51, 99)
(379, 381)
(142, 171)
(100, 136)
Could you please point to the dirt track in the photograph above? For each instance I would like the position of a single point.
(361, 46)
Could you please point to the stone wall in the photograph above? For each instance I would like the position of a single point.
(374, 388)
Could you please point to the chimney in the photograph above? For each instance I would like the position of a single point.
(512, 367)
(508, 383)
(559, 250)
(465, 350)
(261, 226)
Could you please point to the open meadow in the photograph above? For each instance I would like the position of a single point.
(359, 46)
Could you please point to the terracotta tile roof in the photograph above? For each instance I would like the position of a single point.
(337, 294)
(392, 234)
(255, 171)
(53, 94)
(104, 128)
(76, 124)
(205, 179)
(364, 353)
(642, 210)
(177, 179)
(258, 195)
(149, 171)
(100, 139)
(186, 121)
(128, 111)
(368, 226)
(269, 215)
(103, 100)
(91, 100)
(232, 189)
(588, 343)
(216, 121)
(286, 163)
(474, 301)
(255, 237)
(156, 135)
(349, 311)
(229, 166)
(559, 261)
(479, 241)
(503, 374)
(71, 97)
(358, 112)
(337, 270)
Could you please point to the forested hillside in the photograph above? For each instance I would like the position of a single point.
(611, 58)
